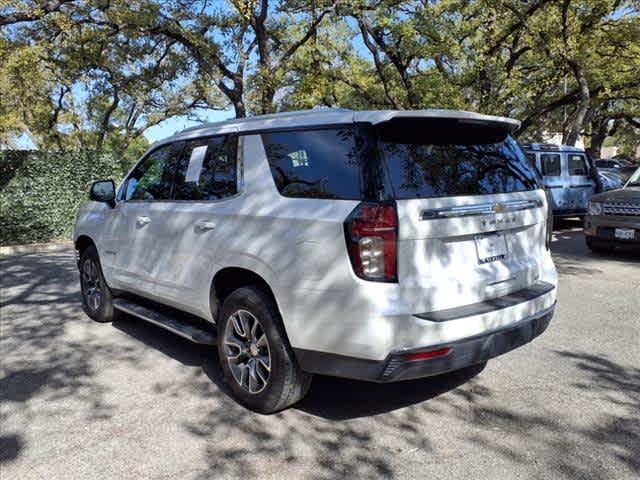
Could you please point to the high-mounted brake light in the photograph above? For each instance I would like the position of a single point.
(372, 237)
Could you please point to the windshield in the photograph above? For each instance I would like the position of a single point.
(442, 159)
(635, 178)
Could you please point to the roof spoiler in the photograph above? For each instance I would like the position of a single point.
(377, 117)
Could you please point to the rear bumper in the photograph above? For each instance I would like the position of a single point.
(461, 353)
(600, 230)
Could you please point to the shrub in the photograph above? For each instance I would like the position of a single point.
(40, 192)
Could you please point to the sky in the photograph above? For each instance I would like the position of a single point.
(175, 124)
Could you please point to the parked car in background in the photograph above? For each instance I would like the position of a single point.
(376, 245)
(603, 163)
(613, 219)
(610, 180)
(569, 175)
(620, 166)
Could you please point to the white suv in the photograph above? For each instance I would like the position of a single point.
(379, 245)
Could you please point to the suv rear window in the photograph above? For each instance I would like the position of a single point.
(448, 159)
(315, 163)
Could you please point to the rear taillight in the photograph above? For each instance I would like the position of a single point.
(549, 232)
(372, 238)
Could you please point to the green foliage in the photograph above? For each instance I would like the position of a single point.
(95, 75)
(40, 192)
(84, 75)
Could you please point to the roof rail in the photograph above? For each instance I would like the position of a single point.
(548, 147)
(295, 113)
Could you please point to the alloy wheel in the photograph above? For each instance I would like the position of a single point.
(91, 284)
(247, 350)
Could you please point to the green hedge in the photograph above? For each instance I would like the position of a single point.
(40, 192)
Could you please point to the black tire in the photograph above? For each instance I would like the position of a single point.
(597, 247)
(101, 311)
(285, 382)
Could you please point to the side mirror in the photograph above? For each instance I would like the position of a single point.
(103, 191)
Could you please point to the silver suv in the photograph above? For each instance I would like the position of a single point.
(375, 245)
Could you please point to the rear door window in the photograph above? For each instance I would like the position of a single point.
(319, 163)
(207, 169)
(421, 167)
(551, 166)
(577, 164)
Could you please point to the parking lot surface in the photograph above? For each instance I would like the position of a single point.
(128, 400)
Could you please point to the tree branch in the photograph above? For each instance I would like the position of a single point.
(41, 11)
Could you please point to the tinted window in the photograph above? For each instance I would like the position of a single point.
(152, 178)
(577, 164)
(418, 170)
(314, 163)
(207, 169)
(550, 163)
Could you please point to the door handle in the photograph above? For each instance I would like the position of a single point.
(143, 220)
(204, 225)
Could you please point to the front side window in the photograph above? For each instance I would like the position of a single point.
(551, 166)
(207, 169)
(152, 178)
(577, 164)
(315, 163)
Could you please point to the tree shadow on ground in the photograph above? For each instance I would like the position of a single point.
(620, 385)
(328, 435)
(42, 363)
(328, 430)
(329, 397)
(178, 348)
(10, 446)
(326, 422)
(614, 434)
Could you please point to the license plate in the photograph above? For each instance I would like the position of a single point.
(625, 233)
(491, 247)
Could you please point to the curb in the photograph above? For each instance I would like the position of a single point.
(13, 250)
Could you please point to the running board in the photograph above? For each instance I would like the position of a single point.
(173, 323)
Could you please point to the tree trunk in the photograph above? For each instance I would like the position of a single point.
(267, 96)
(599, 134)
(577, 123)
(239, 108)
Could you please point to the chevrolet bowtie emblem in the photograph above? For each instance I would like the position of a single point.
(498, 208)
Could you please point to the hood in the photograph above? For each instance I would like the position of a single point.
(629, 194)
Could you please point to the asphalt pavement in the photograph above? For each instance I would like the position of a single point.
(128, 400)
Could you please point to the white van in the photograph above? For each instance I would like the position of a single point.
(375, 245)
